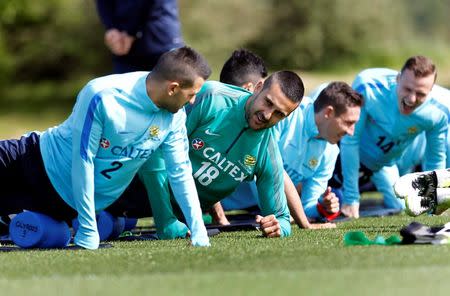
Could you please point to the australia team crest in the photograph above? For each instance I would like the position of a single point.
(197, 144)
(154, 132)
(313, 162)
(249, 160)
(412, 130)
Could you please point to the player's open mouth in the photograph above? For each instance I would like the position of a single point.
(407, 108)
(260, 119)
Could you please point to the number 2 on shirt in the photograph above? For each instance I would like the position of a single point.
(115, 166)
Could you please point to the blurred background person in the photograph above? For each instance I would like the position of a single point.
(138, 32)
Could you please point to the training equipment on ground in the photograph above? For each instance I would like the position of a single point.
(417, 233)
(130, 223)
(70, 247)
(36, 230)
(358, 238)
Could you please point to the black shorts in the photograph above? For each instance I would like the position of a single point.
(337, 180)
(24, 184)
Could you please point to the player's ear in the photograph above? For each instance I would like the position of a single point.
(328, 111)
(172, 88)
(258, 87)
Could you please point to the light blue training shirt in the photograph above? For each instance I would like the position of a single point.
(114, 127)
(383, 133)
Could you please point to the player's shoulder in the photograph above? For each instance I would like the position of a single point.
(219, 95)
(115, 80)
(440, 95)
(316, 91)
(376, 73)
(375, 77)
(219, 89)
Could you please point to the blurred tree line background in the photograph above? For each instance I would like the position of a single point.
(51, 48)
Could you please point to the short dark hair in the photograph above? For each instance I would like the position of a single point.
(290, 83)
(183, 65)
(340, 96)
(421, 66)
(243, 66)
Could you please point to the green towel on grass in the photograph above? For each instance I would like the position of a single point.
(358, 238)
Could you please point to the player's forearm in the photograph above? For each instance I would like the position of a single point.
(218, 214)
(294, 203)
(83, 196)
(157, 188)
(186, 196)
(350, 172)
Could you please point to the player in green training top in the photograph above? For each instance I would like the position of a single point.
(231, 141)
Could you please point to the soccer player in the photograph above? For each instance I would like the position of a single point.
(307, 141)
(85, 163)
(415, 152)
(425, 192)
(231, 141)
(397, 108)
(244, 69)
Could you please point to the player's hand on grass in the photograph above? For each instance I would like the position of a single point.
(330, 202)
(87, 238)
(200, 239)
(269, 225)
(351, 211)
(218, 214)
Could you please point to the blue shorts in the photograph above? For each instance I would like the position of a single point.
(24, 184)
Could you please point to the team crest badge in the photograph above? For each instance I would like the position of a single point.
(313, 162)
(197, 144)
(249, 160)
(412, 130)
(154, 132)
(104, 143)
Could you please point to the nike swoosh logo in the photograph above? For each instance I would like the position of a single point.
(208, 132)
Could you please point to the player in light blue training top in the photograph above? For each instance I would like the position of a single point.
(307, 141)
(414, 153)
(397, 108)
(308, 145)
(116, 124)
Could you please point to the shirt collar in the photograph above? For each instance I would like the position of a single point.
(142, 95)
(311, 129)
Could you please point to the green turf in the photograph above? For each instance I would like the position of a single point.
(240, 263)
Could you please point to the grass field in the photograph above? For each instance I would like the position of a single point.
(240, 263)
(310, 262)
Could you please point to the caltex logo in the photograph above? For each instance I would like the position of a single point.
(104, 143)
(197, 144)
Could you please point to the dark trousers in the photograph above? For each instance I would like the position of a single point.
(125, 64)
(24, 184)
(337, 180)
